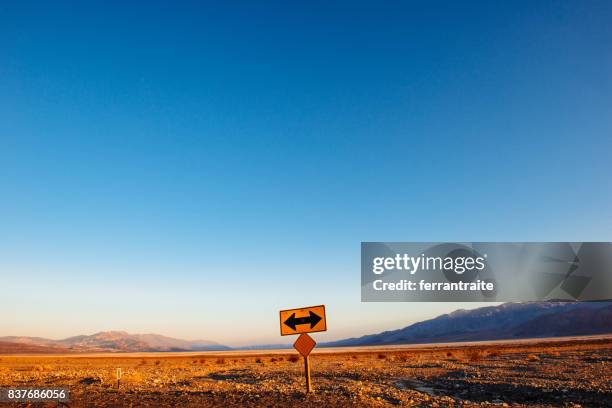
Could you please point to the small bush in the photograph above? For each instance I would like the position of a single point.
(43, 368)
(494, 353)
(381, 356)
(157, 362)
(449, 354)
(220, 361)
(474, 355)
(354, 357)
(293, 359)
(90, 380)
(273, 360)
(202, 361)
(258, 361)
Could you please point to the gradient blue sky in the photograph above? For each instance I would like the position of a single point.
(173, 167)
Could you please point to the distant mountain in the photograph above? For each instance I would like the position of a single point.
(24, 348)
(507, 321)
(109, 341)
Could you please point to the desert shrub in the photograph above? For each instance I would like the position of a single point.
(157, 362)
(202, 361)
(220, 361)
(273, 360)
(473, 355)
(43, 368)
(258, 361)
(354, 357)
(281, 359)
(494, 353)
(90, 380)
(403, 358)
(293, 359)
(449, 354)
(381, 356)
(532, 357)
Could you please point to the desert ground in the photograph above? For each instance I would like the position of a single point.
(551, 373)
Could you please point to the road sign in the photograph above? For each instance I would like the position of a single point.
(304, 344)
(304, 320)
(301, 321)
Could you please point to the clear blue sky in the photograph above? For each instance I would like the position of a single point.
(173, 167)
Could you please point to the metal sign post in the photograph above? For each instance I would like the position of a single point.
(304, 345)
(118, 375)
(302, 321)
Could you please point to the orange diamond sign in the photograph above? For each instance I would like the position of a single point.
(304, 344)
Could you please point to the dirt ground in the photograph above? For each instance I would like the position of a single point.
(567, 373)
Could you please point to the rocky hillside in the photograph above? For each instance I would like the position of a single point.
(507, 321)
(110, 341)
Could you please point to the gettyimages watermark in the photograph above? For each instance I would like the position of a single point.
(485, 271)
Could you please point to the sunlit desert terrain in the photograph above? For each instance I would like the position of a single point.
(561, 373)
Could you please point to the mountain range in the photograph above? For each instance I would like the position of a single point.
(506, 321)
(107, 341)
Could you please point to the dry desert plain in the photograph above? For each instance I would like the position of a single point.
(552, 372)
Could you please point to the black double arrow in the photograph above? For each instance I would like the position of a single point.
(311, 319)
